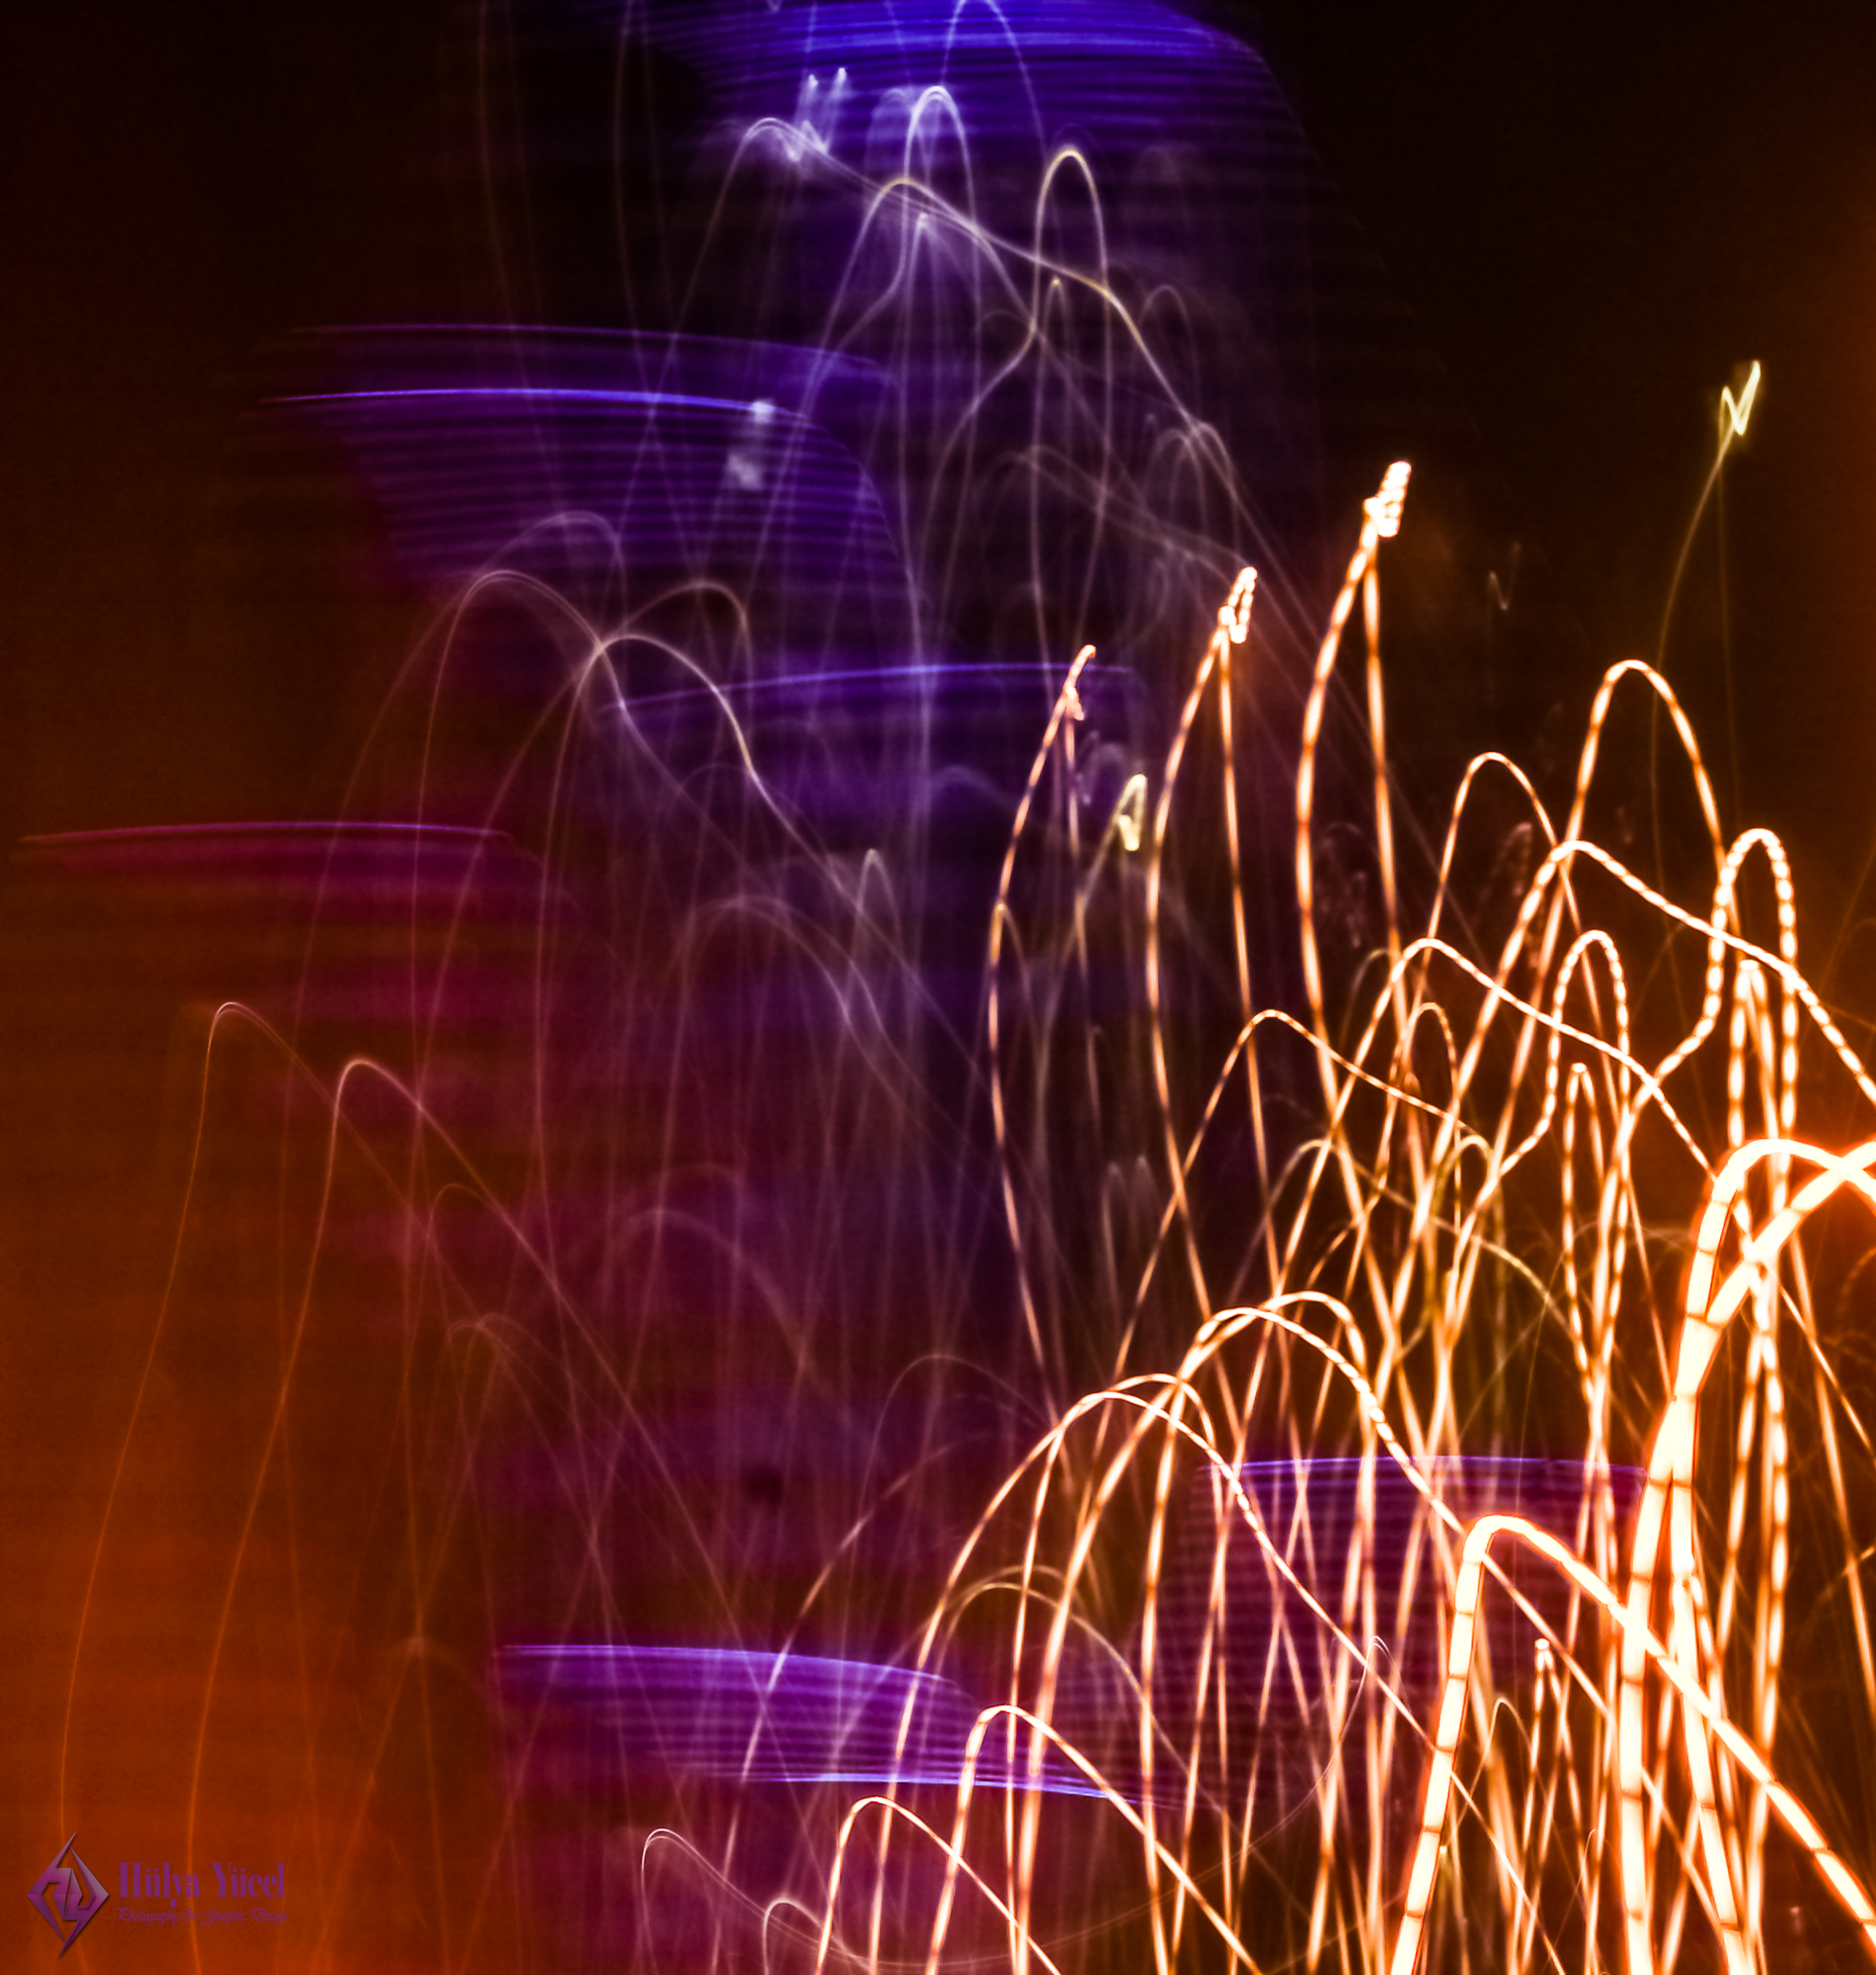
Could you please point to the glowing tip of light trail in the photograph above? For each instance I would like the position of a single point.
(1234, 612)
(1734, 411)
(1130, 812)
(1385, 508)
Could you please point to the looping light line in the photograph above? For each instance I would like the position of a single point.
(1397, 1204)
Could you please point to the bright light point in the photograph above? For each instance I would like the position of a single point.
(1384, 508)
(1735, 412)
(1234, 613)
(1130, 812)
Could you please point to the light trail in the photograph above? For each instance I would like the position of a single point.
(910, 1311)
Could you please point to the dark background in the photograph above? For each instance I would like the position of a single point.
(1596, 212)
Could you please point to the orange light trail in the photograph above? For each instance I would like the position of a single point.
(1387, 1222)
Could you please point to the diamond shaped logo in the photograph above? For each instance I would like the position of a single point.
(68, 1894)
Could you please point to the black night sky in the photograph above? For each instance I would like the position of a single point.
(1598, 213)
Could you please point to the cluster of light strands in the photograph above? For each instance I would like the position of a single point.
(675, 1295)
(624, 1189)
(623, 1186)
(1475, 1730)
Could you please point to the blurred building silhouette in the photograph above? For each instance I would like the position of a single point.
(589, 1232)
